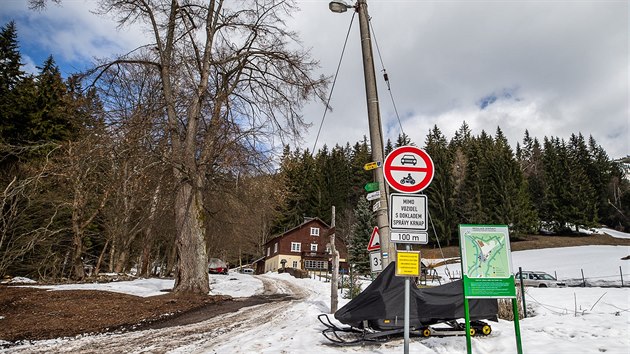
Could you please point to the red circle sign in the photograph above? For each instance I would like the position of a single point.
(408, 169)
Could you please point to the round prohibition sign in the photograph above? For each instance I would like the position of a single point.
(408, 169)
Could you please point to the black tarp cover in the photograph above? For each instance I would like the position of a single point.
(384, 298)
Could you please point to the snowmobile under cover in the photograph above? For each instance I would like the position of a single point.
(380, 307)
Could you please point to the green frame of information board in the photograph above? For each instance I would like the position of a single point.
(490, 243)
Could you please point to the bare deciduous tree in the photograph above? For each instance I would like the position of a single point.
(84, 169)
(232, 76)
(17, 236)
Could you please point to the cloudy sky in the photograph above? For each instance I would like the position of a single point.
(552, 67)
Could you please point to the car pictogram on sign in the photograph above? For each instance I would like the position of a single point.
(408, 159)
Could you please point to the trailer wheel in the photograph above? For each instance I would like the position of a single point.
(472, 332)
(486, 329)
(426, 332)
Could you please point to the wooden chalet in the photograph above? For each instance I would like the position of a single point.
(306, 246)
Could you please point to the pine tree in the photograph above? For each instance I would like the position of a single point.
(469, 203)
(11, 76)
(292, 172)
(361, 155)
(403, 140)
(582, 199)
(388, 147)
(441, 189)
(48, 120)
(557, 202)
(360, 236)
(505, 195)
(530, 160)
(339, 173)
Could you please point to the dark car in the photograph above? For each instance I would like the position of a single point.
(217, 266)
(408, 159)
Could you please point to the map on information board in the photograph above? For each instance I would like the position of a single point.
(486, 251)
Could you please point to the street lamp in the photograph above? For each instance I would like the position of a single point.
(388, 249)
(338, 6)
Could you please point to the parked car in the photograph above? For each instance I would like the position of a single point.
(538, 279)
(217, 266)
(247, 271)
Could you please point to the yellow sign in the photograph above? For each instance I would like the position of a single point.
(408, 263)
(371, 165)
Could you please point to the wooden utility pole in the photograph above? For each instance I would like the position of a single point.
(334, 290)
(388, 249)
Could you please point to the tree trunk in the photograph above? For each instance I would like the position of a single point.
(97, 269)
(78, 272)
(146, 255)
(147, 239)
(119, 267)
(192, 259)
(334, 289)
(168, 265)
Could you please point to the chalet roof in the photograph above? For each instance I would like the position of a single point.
(307, 221)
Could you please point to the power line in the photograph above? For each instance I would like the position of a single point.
(332, 88)
(386, 78)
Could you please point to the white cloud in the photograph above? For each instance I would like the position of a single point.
(567, 60)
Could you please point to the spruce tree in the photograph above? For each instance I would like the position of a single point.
(557, 211)
(582, 199)
(403, 140)
(530, 160)
(11, 76)
(361, 155)
(388, 147)
(506, 198)
(441, 190)
(48, 121)
(360, 236)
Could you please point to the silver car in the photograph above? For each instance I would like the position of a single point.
(538, 279)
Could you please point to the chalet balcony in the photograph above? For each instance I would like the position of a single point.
(314, 254)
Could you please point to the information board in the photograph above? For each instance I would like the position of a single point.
(486, 261)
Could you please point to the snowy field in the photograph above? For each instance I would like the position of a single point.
(566, 320)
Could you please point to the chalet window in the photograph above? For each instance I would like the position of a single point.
(296, 247)
(314, 231)
(268, 251)
(313, 247)
(275, 248)
(294, 264)
(308, 264)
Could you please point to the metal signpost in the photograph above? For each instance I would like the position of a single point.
(408, 169)
(487, 270)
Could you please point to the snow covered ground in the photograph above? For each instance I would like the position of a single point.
(566, 320)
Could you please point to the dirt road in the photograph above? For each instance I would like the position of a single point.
(185, 338)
